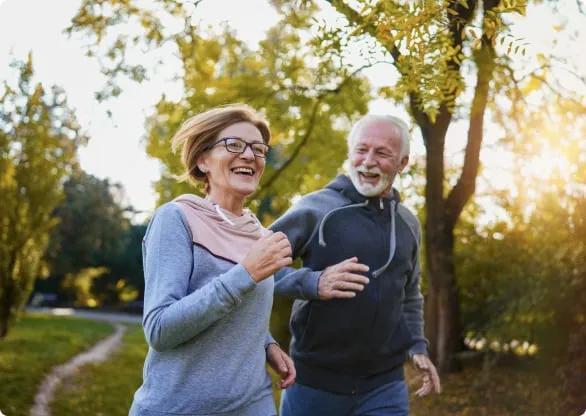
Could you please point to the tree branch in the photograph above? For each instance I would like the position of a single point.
(295, 153)
(314, 112)
(466, 185)
(354, 18)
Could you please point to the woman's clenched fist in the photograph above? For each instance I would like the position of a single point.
(269, 254)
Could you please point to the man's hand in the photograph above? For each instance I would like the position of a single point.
(341, 280)
(282, 364)
(431, 380)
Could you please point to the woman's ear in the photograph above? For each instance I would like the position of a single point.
(202, 164)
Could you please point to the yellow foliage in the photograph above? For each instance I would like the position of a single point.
(80, 284)
(533, 83)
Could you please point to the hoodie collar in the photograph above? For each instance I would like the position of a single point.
(222, 233)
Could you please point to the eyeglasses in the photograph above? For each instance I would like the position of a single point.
(237, 145)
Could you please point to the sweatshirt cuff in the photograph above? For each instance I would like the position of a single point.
(269, 340)
(310, 285)
(238, 282)
(419, 348)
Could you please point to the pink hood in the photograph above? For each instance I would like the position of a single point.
(210, 230)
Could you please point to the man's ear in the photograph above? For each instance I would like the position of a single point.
(404, 162)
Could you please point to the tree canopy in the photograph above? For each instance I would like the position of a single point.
(308, 99)
(39, 137)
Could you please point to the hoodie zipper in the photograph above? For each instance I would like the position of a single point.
(392, 242)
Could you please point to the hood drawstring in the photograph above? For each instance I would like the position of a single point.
(322, 242)
(225, 218)
(393, 243)
(221, 214)
(393, 236)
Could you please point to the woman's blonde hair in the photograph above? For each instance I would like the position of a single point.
(199, 132)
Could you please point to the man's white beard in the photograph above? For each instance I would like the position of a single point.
(366, 189)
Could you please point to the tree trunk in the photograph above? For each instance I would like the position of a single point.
(3, 327)
(443, 306)
(8, 293)
(4, 314)
(442, 303)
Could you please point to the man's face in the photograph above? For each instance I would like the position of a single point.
(375, 158)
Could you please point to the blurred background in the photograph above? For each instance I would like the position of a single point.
(494, 92)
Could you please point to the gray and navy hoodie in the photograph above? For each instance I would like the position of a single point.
(206, 323)
(350, 346)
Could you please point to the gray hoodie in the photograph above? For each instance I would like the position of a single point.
(206, 322)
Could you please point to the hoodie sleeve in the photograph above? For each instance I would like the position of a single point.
(299, 224)
(269, 340)
(171, 315)
(413, 302)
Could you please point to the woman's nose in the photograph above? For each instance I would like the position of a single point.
(248, 154)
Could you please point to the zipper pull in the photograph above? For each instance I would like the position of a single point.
(381, 204)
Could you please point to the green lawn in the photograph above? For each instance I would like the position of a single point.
(105, 388)
(37, 343)
(505, 390)
(32, 347)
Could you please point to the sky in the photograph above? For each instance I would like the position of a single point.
(116, 147)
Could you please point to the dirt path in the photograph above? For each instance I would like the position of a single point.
(89, 314)
(98, 353)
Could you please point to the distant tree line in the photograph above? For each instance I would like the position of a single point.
(94, 252)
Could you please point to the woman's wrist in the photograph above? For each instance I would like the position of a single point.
(250, 270)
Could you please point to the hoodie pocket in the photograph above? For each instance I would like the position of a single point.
(400, 340)
(391, 338)
(336, 332)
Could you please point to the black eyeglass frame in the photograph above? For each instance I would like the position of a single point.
(246, 145)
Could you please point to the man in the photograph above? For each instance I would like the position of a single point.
(355, 323)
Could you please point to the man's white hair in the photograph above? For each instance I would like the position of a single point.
(392, 120)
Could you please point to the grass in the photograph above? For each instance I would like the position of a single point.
(506, 389)
(32, 347)
(106, 388)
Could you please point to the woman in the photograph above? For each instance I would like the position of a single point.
(208, 267)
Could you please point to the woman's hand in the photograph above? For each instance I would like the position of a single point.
(282, 364)
(269, 254)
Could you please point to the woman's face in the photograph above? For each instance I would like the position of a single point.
(232, 174)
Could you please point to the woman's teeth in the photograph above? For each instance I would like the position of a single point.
(245, 171)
